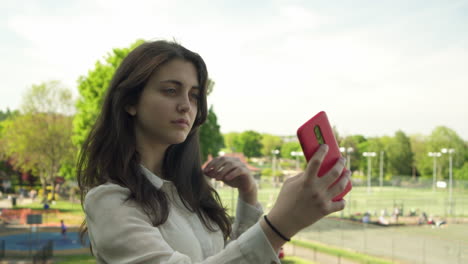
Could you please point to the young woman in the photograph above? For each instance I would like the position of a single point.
(143, 190)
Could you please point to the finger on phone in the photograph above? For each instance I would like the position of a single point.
(335, 172)
(337, 206)
(314, 163)
(338, 187)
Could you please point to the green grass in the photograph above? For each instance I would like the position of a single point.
(71, 213)
(63, 206)
(78, 259)
(360, 201)
(334, 251)
(296, 260)
(90, 259)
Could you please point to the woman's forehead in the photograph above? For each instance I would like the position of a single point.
(177, 71)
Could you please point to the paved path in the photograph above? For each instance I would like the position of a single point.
(6, 203)
(317, 257)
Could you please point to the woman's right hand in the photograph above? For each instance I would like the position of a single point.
(306, 198)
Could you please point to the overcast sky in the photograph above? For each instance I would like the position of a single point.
(375, 66)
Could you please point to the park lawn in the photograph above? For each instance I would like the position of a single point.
(296, 260)
(335, 251)
(71, 213)
(62, 205)
(77, 259)
(90, 259)
(386, 198)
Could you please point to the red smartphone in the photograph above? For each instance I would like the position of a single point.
(311, 135)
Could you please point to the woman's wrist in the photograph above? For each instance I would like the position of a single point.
(250, 196)
(282, 225)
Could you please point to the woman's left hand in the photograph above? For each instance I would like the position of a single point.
(234, 173)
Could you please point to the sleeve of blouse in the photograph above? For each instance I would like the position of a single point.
(122, 233)
(246, 216)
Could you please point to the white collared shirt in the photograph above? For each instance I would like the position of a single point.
(120, 232)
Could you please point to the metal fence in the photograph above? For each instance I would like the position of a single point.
(410, 243)
(44, 254)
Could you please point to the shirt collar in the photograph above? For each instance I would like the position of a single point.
(155, 180)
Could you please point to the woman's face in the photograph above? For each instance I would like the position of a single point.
(167, 107)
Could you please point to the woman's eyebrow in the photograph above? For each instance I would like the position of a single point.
(178, 83)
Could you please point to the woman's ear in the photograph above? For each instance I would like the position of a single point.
(131, 110)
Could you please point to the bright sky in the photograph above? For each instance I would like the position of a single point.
(375, 66)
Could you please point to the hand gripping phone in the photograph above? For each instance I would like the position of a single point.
(311, 135)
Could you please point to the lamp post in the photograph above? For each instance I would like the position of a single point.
(348, 152)
(381, 169)
(273, 163)
(369, 155)
(297, 154)
(450, 152)
(435, 155)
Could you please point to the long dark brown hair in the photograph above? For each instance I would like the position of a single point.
(109, 153)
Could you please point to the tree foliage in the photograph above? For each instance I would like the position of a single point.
(211, 139)
(269, 143)
(462, 173)
(444, 137)
(250, 143)
(422, 164)
(39, 140)
(5, 116)
(289, 147)
(92, 88)
(232, 142)
(48, 97)
(399, 155)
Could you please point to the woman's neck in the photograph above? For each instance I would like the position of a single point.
(152, 158)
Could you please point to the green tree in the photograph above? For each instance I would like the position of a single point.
(400, 155)
(39, 140)
(422, 164)
(444, 137)
(373, 144)
(250, 143)
(354, 141)
(462, 173)
(289, 147)
(8, 114)
(48, 97)
(211, 139)
(232, 142)
(92, 88)
(269, 143)
(5, 117)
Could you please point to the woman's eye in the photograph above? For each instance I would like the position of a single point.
(196, 96)
(170, 90)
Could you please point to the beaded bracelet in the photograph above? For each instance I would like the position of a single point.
(275, 230)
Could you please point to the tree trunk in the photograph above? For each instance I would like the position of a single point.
(44, 189)
(53, 189)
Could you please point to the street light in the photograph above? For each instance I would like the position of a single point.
(273, 164)
(381, 169)
(369, 155)
(348, 156)
(435, 155)
(297, 154)
(450, 152)
(348, 152)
